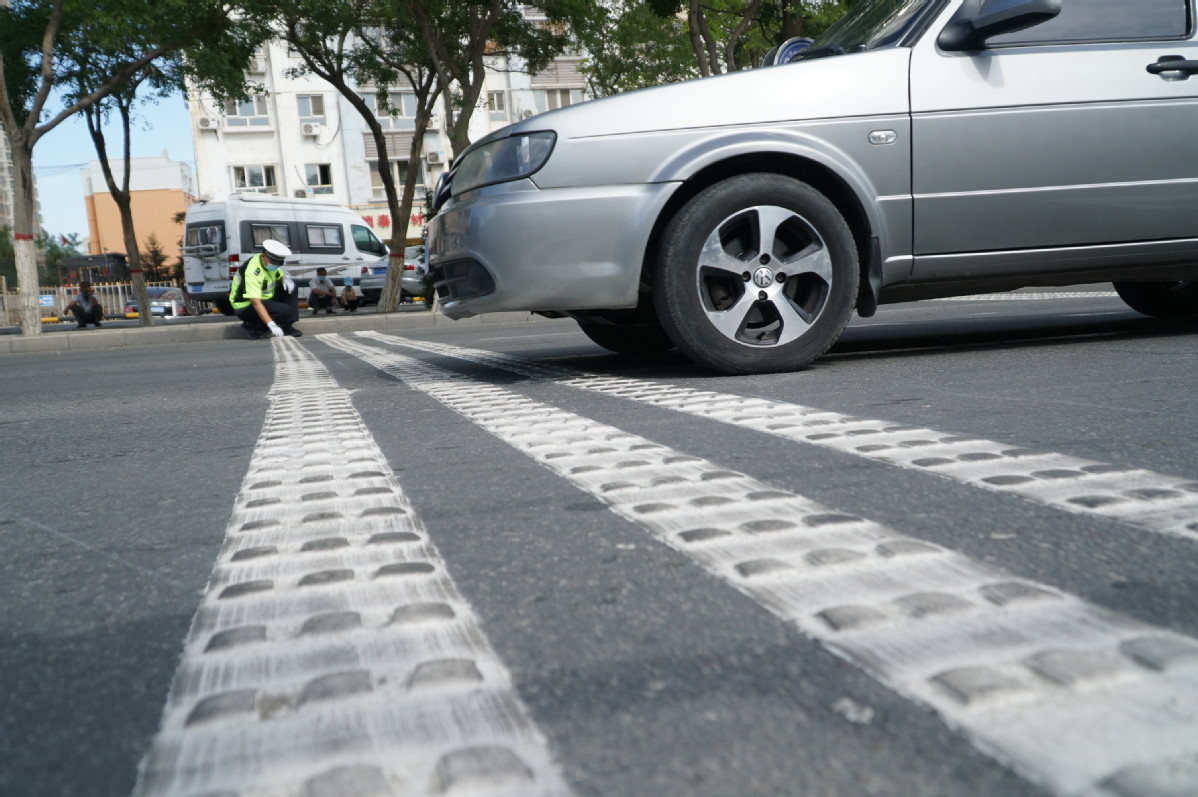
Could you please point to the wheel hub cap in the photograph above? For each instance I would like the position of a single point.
(763, 277)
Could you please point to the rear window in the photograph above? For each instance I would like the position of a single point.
(206, 234)
(1107, 21)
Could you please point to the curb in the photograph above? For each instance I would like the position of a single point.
(166, 333)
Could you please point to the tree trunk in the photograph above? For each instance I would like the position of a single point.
(124, 203)
(24, 248)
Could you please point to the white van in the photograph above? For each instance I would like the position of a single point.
(221, 235)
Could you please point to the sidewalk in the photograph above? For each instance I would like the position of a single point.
(120, 332)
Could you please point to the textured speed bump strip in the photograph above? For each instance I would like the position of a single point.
(1080, 699)
(1137, 497)
(332, 655)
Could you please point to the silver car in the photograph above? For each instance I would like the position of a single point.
(411, 284)
(917, 149)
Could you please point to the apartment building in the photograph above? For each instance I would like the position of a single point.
(159, 189)
(299, 137)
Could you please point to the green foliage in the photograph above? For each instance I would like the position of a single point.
(153, 260)
(55, 249)
(631, 45)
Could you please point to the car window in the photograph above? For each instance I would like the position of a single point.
(324, 236)
(207, 234)
(261, 232)
(1106, 20)
(366, 241)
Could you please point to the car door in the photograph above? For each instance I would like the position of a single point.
(1056, 136)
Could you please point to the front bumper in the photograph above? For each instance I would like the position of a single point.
(514, 247)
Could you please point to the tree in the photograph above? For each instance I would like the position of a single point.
(153, 260)
(629, 45)
(38, 39)
(730, 35)
(394, 48)
(462, 34)
(55, 250)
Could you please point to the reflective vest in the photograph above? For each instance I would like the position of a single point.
(254, 281)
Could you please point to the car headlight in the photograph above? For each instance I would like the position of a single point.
(501, 161)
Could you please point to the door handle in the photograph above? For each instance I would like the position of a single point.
(1173, 63)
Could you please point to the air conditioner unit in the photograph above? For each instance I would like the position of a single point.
(311, 128)
(433, 157)
(257, 66)
(208, 123)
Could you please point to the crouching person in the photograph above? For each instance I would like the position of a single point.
(85, 307)
(263, 296)
(349, 297)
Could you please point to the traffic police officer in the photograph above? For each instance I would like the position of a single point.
(263, 296)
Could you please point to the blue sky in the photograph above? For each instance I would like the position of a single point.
(60, 155)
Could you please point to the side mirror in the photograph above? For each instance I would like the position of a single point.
(980, 20)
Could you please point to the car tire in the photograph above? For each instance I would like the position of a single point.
(1160, 299)
(740, 310)
(636, 339)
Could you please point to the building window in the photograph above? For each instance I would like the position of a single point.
(319, 177)
(255, 178)
(311, 107)
(249, 112)
(400, 170)
(497, 105)
(557, 98)
(400, 114)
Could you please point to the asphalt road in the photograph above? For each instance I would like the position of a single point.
(956, 556)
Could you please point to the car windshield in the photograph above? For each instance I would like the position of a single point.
(870, 25)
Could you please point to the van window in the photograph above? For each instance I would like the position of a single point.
(260, 231)
(366, 241)
(206, 234)
(326, 237)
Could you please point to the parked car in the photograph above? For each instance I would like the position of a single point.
(411, 284)
(164, 303)
(916, 149)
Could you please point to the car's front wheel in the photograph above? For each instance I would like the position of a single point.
(757, 273)
(1161, 299)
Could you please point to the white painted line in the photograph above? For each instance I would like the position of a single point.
(332, 655)
(1137, 497)
(1077, 698)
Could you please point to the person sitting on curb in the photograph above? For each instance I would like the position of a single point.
(321, 293)
(349, 297)
(263, 296)
(85, 307)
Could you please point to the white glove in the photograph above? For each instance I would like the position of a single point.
(288, 283)
(275, 329)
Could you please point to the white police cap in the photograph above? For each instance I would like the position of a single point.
(276, 248)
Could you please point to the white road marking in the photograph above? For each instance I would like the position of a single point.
(1137, 497)
(332, 655)
(1077, 698)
